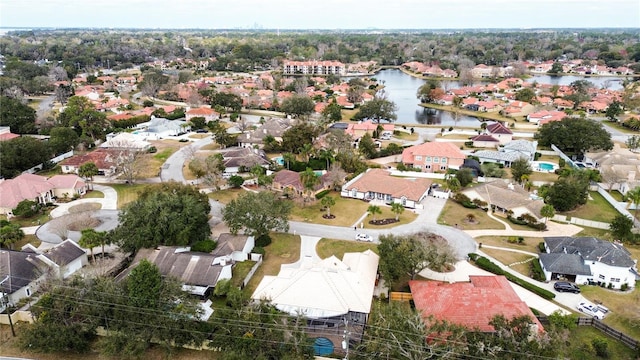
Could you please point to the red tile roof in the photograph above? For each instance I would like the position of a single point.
(435, 148)
(498, 128)
(380, 181)
(472, 304)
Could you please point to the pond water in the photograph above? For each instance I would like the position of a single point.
(401, 89)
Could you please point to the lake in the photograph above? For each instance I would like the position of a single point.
(401, 89)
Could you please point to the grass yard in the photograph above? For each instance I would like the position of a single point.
(284, 249)
(596, 209)
(510, 257)
(529, 244)
(94, 194)
(454, 213)
(624, 308)
(597, 233)
(347, 211)
(406, 217)
(328, 247)
(617, 195)
(579, 345)
(150, 163)
(127, 192)
(198, 136)
(541, 176)
(240, 271)
(212, 146)
(27, 239)
(225, 196)
(35, 220)
(406, 136)
(348, 114)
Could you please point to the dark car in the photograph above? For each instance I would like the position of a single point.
(563, 286)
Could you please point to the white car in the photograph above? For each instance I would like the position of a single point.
(364, 237)
(590, 309)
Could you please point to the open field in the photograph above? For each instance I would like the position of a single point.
(225, 196)
(596, 209)
(580, 345)
(127, 192)
(328, 247)
(529, 244)
(347, 211)
(284, 249)
(454, 213)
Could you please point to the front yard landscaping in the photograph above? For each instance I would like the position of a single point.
(327, 247)
(284, 249)
(347, 211)
(509, 257)
(127, 192)
(225, 196)
(94, 194)
(454, 213)
(529, 244)
(596, 209)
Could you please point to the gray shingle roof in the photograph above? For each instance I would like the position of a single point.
(64, 253)
(569, 264)
(22, 267)
(228, 243)
(590, 248)
(499, 155)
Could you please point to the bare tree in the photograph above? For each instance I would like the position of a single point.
(126, 156)
(190, 152)
(58, 73)
(609, 177)
(336, 175)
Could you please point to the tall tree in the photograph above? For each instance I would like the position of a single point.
(327, 202)
(88, 170)
(91, 238)
(367, 147)
(397, 209)
(309, 180)
(548, 212)
(634, 195)
(164, 214)
(20, 154)
(295, 138)
(257, 214)
(297, 105)
(374, 210)
(332, 112)
(63, 139)
(621, 227)
(20, 118)
(575, 136)
(520, 168)
(10, 233)
(377, 109)
(82, 115)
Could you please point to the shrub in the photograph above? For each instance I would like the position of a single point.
(263, 240)
(624, 287)
(236, 181)
(205, 246)
(258, 250)
(536, 271)
(601, 347)
(561, 162)
(322, 194)
(489, 266)
(152, 150)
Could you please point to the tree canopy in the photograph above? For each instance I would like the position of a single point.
(297, 105)
(377, 109)
(575, 136)
(257, 214)
(164, 214)
(20, 118)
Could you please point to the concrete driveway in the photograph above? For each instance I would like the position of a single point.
(172, 168)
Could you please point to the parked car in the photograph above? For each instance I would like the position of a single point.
(202, 131)
(364, 237)
(590, 309)
(564, 286)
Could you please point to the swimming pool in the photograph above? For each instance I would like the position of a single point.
(542, 166)
(279, 160)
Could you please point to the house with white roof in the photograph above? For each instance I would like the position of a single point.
(509, 153)
(328, 291)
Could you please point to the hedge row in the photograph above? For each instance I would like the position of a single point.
(488, 265)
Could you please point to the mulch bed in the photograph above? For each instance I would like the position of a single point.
(382, 221)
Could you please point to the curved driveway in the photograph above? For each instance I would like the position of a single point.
(172, 167)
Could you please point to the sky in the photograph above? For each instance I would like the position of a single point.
(322, 14)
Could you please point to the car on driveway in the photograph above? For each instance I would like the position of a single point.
(564, 286)
(364, 237)
(590, 309)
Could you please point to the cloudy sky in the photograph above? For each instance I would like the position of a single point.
(324, 14)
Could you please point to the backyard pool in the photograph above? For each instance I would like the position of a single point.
(542, 166)
(279, 160)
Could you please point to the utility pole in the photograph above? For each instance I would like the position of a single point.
(5, 300)
(345, 337)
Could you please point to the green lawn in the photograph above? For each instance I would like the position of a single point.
(529, 244)
(127, 192)
(94, 194)
(510, 257)
(596, 209)
(347, 211)
(625, 308)
(454, 213)
(240, 271)
(164, 154)
(35, 220)
(579, 345)
(406, 217)
(225, 196)
(328, 247)
(616, 195)
(284, 249)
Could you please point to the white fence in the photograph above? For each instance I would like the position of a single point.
(56, 160)
(255, 267)
(581, 222)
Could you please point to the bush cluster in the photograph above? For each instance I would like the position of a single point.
(529, 221)
(322, 194)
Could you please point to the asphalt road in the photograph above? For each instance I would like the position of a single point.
(172, 168)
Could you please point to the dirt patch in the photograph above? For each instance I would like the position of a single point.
(383, 221)
(85, 223)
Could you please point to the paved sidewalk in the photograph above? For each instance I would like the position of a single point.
(553, 229)
(109, 202)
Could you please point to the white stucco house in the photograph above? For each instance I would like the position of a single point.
(378, 184)
(587, 260)
(233, 248)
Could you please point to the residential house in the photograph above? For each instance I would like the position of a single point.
(125, 141)
(205, 112)
(482, 71)
(289, 181)
(198, 272)
(5, 133)
(587, 260)
(509, 153)
(233, 248)
(103, 158)
(433, 156)
(544, 116)
(506, 197)
(378, 184)
(237, 160)
(485, 141)
(518, 109)
(22, 272)
(67, 185)
(470, 304)
(326, 292)
(620, 169)
(24, 187)
(64, 259)
(500, 132)
(367, 127)
(274, 127)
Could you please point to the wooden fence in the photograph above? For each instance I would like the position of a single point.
(400, 296)
(586, 321)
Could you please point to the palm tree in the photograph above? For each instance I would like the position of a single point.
(288, 158)
(90, 239)
(328, 202)
(309, 180)
(88, 171)
(373, 210)
(305, 151)
(398, 209)
(634, 195)
(548, 212)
